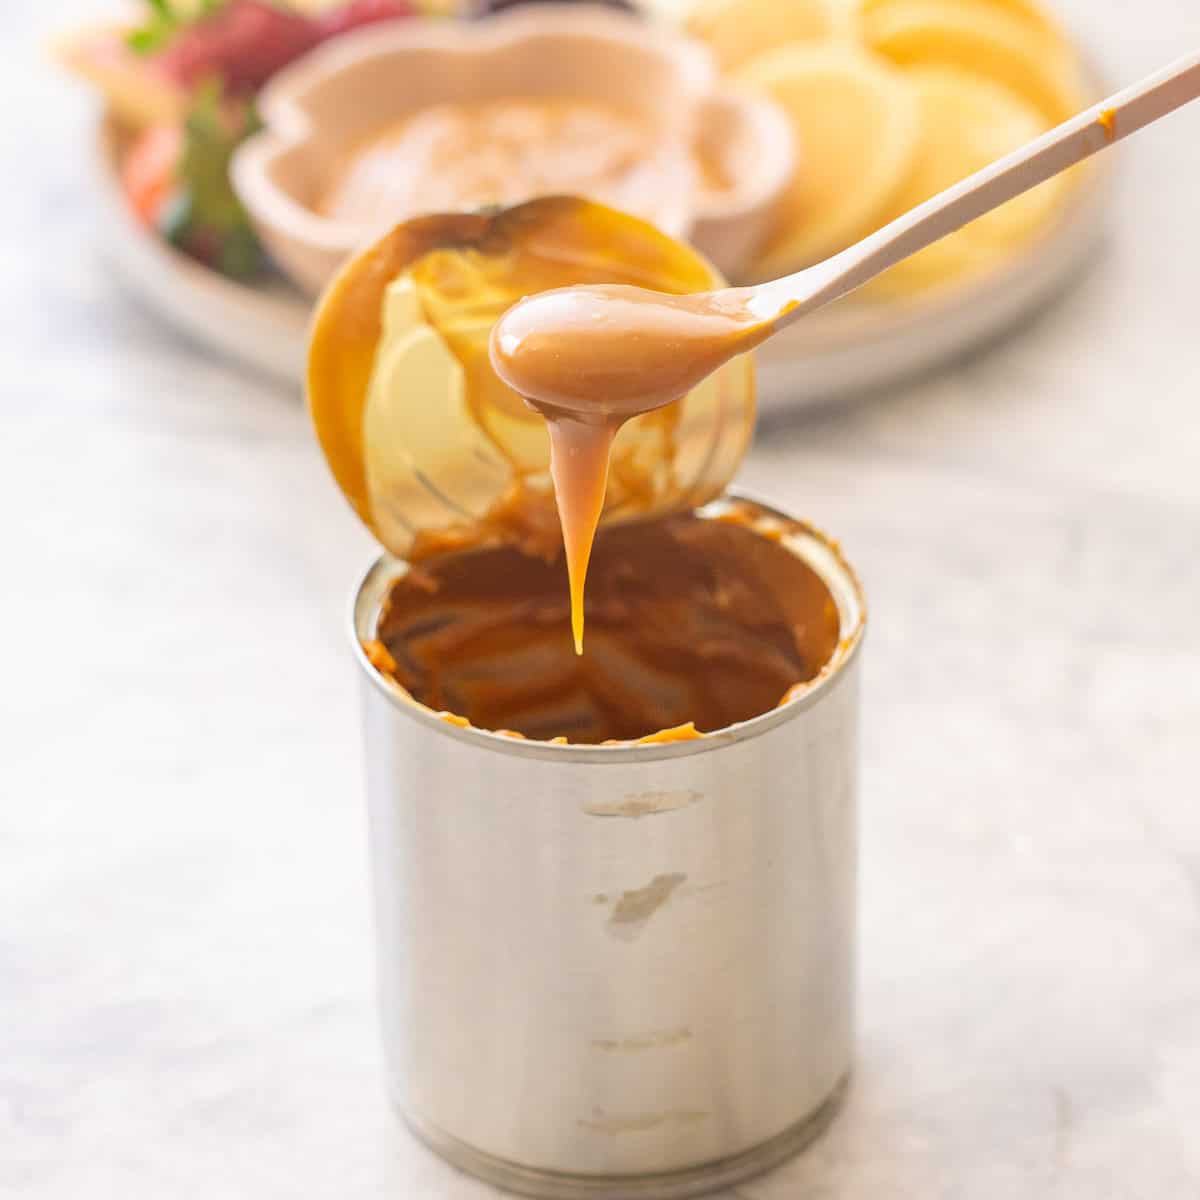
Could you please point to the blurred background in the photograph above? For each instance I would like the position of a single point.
(185, 972)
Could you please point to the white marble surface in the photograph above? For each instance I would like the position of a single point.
(185, 973)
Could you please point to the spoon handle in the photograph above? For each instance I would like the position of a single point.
(1062, 147)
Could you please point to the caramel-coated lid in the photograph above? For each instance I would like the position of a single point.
(427, 444)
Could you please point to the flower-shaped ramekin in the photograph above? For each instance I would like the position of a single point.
(362, 84)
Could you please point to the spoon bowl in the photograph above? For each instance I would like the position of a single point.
(559, 349)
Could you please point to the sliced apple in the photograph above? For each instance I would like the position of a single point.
(1027, 11)
(857, 128)
(966, 123)
(739, 30)
(983, 38)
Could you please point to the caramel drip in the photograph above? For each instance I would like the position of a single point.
(579, 454)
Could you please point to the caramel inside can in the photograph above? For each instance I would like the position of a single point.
(695, 623)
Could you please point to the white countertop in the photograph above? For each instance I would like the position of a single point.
(185, 967)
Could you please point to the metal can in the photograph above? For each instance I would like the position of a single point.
(618, 971)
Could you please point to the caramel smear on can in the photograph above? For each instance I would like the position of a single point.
(588, 359)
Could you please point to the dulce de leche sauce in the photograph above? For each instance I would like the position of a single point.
(590, 358)
(694, 624)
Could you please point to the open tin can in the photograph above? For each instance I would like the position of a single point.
(624, 970)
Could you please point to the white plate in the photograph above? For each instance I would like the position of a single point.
(853, 346)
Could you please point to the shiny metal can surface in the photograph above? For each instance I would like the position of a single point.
(618, 971)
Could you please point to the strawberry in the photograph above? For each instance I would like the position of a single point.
(243, 43)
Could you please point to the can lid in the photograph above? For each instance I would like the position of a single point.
(427, 444)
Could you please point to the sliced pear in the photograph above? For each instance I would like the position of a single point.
(857, 128)
(739, 30)
(968, 122)
(983, 38)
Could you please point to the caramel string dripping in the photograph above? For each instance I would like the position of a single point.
(579, 458)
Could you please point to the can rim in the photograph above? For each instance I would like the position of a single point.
(810, 543)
